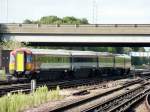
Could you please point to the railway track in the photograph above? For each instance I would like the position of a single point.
(122, 102)
(147, 102)
(26, 87)
(14, 81)
(124, 105)
(70, 106)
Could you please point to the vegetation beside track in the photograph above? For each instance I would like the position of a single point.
(3, 74)
(20, 101)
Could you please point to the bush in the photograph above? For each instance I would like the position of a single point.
(20, 101)
(3, 74)
(11, 45)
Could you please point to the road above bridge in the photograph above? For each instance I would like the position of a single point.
(75, 35)
(99, 29)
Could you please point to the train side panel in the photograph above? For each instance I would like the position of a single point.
(127, 64)
(51, 67)
(119, 65)
(84, 64)
(106, 64)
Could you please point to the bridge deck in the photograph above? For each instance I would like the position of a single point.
(99, 29)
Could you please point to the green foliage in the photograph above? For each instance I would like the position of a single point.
(57, 20)
(27, 21)
(119, 50)
(136, 49)
(11, 45)
(84, 21)
(71, 20)
(111, 50)
(126, 50)
(20, 101)
(3, 74)
(140, 61)
(50, 20)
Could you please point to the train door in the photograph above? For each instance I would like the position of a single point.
(20, 61)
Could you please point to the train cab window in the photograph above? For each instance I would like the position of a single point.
(12, 58)
(29, 58)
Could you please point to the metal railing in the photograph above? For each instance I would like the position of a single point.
(75, 26)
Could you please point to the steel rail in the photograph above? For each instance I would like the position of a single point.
(83, 101)
(112, 104)
(65, 84)
(127, 104)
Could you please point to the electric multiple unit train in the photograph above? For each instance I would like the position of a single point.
(58, 64)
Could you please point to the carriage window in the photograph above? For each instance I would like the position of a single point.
(52, 59)
(29, 58)
(84, 59)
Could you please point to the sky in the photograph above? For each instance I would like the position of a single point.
(96, 11)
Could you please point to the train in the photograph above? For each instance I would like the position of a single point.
(53, 64)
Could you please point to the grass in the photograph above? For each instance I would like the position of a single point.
(20, 101)
(3, 74)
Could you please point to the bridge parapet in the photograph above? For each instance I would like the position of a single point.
(76, 29)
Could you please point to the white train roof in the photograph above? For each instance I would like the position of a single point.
(74, 53)
(83, 53)
(51, 51)
(104, 54)
(123, 55)
(63, 52)
(126, 56)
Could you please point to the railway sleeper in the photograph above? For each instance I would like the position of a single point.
(118, 101)
(125, 105)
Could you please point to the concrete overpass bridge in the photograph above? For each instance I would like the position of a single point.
(94, 35)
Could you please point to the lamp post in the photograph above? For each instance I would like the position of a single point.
(95, 9)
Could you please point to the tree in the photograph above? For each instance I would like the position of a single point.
(56, 20)
(27, 21)
(111, 49)
(141, 49)
(84, 21)
(135, 49)
(119, 50)
(126, 50)
(50, 20)
(70, 20)
(10, 45)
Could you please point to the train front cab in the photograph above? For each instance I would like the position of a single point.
(20, 63)
(12, 63)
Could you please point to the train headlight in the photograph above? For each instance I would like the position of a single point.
(11, 68)
(28, 66)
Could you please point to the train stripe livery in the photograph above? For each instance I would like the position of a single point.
(60, 64)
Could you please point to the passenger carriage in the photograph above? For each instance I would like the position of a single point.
(106, 63)
(40, 63)
(46, 64)
(84, 63)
